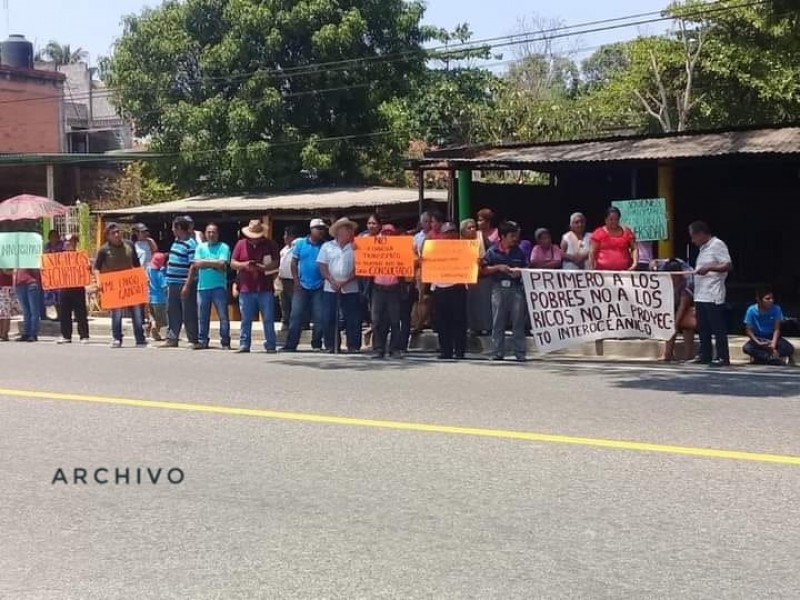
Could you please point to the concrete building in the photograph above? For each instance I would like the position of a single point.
(31, 111)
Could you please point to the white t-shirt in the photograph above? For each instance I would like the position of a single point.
(285, 267)
(711, 287)
(341, 265)
(144, 252)
(574, 245)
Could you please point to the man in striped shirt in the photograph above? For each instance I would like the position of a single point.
(181, 311)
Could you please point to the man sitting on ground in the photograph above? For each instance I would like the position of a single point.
(763, 325)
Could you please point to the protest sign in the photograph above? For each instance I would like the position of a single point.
(647, 218)
(391, 256)
(573, 307)
(450, 261)
(120, 289)
(20, 250)
(65, 270)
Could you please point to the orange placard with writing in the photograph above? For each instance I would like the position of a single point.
(450, 261)
(65, 270)
(121, 289)
(390, 256)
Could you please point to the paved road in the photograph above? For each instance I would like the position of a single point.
(309, 476)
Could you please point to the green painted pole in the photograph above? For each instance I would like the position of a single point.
(464, 194)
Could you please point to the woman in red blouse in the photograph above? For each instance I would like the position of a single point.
(613, 246)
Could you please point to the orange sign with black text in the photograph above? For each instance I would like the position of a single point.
(388, 256)
(65, 270)
(121, 289)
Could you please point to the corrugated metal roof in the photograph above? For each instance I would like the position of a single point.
(785, 140)
(318, 199)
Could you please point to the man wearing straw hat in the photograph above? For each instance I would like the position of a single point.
(338, 267)
(256, 259)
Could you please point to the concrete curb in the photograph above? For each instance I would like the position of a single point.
(612, 350)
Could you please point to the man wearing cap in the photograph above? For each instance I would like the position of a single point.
(337, 264)
(285, 275)
(210, 269)
(119, 255)
(307, 287)
(145, 247)
(256, 259)
(181, 308)
(73, 300)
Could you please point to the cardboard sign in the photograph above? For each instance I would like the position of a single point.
(573, 307)
(20, 250)
(647, 218)
(65, 270)
(450, 261)
(121, 289)
(390, 256)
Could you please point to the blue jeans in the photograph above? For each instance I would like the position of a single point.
(303, 301)
(136, 318)
(182, 311)
(351, 307)
(249, 304)
(219, 298)
(30, 300)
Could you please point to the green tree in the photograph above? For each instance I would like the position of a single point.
(61, 54)
(244, 94)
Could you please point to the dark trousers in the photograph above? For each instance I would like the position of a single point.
(711, 321)
(764, 355)
(182, 311)
(385, 318)
(408, 296)
(450, 313)
(287, 293)
(73, 301)
(350, 305)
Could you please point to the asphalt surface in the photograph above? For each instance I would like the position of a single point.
(286, 504)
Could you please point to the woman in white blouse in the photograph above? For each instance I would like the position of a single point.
(575, 244)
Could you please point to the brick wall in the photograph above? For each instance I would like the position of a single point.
(30, 111)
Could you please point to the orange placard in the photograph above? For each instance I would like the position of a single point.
(65, 270)
(389, 256)
(120, 289)
(450, 261)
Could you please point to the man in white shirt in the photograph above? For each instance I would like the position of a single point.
(711, 270)
(337, 264)
(290, 234)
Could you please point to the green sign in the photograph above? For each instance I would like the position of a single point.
(647, 218)
(20, 250)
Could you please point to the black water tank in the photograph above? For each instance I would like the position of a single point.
(16, 52)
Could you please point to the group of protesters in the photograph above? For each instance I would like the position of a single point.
(313, 278)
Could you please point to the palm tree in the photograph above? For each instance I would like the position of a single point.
(61, 54)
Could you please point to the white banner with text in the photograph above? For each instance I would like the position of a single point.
(568, 308)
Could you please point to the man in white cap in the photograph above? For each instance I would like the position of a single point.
(307, 287)
(337, 264)
(256, 259)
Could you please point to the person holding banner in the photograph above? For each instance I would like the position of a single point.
(685, 318)
(613, 246)
(28, 288)
(387, 300)
(118, 254)
(503, 262)
(73, 300)
(576, 244)
(450, 309)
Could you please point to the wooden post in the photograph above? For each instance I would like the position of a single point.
(421, 188)
(666, 190)
(267, 220)
(47, 224)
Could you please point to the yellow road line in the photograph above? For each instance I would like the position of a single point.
(420, 427)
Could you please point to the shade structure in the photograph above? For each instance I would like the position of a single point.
(30, 207)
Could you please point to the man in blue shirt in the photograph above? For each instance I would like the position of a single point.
(763, 325)
(210, 267)
(308, 283)
(502, 262)
(181, 308)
